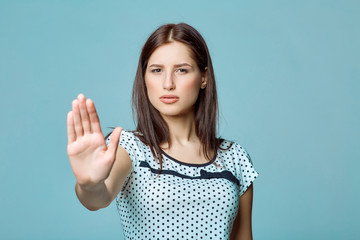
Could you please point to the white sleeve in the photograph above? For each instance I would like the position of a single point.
(247, 171)
(129, 143)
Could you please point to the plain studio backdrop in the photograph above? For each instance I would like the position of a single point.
(288, 83)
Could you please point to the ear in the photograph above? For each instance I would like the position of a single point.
(204, 79)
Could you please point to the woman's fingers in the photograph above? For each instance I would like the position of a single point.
(94, 118)
(114, 140)
(77, 118)
(84, 118)
(70, 128)
(84, 114)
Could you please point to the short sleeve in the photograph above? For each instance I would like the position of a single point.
(247, 171)
(129, 142)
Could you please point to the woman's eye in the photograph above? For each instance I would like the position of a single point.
(156, 70)
(183, 70)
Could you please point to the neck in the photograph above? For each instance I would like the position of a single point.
(181, 129)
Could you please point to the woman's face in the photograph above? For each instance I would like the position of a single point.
(173, 79)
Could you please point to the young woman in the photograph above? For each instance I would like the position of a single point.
(172, 177)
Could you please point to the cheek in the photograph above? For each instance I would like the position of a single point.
(191, 87)
(151, 87)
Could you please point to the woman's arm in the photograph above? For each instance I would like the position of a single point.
(242, 224)
(102, 194)
(100, 170)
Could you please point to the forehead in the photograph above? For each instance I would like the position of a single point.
(171, 53)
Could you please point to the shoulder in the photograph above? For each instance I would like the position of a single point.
(130, 141)
(228, 145)
(234, 149)
(238, 160)
(127, 137)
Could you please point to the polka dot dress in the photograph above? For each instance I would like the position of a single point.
(186, 201)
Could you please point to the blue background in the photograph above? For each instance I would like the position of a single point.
(288, 82)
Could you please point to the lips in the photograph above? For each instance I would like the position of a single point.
(169, 98)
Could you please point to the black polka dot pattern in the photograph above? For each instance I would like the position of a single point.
(183, 202)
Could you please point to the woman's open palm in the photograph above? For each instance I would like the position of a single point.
(90, 159)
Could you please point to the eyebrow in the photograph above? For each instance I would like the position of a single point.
(176, 65)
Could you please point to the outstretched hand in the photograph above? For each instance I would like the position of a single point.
(90, 159)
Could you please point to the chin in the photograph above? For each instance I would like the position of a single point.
(169, 113)
(175, 112)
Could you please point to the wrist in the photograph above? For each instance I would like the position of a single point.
(90, 186)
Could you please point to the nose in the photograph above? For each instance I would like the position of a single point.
(168, 82)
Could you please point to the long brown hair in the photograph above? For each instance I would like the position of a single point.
(151, 127)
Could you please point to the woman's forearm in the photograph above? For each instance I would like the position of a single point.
(93, 198)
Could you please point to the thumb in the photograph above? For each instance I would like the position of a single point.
(114, 140)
